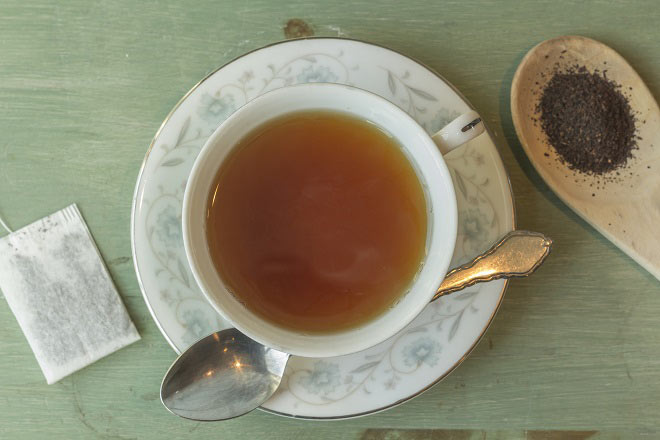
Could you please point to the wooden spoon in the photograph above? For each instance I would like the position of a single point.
(626, 210)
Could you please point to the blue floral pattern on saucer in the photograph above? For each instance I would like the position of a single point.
(407, 363)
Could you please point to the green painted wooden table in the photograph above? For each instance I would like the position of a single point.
(574, 351)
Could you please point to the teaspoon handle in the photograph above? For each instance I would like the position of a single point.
(518, 254)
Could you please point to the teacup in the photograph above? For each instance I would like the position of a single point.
(423, 151)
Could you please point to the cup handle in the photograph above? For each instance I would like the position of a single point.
(459, 131)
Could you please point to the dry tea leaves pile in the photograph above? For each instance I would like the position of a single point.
(587, 120)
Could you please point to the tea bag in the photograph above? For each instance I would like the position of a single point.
(57, 286)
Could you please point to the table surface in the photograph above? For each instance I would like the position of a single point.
(574, 351)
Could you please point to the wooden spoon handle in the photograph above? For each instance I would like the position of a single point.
(518, 254)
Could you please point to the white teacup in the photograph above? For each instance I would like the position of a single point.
(423, 152)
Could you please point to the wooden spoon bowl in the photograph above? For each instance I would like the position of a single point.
(625, 208)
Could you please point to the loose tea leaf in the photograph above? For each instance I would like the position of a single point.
(587, 120)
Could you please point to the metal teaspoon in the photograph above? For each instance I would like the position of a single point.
(227, 374)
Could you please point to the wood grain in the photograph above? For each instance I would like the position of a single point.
(85, 84)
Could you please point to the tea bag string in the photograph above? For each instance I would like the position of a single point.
(4, 225)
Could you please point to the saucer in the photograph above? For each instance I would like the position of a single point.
(426, 350)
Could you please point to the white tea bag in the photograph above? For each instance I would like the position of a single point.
(58, 287)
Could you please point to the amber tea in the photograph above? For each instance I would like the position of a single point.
(317, 222)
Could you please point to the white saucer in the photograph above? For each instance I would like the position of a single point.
(404, 365)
